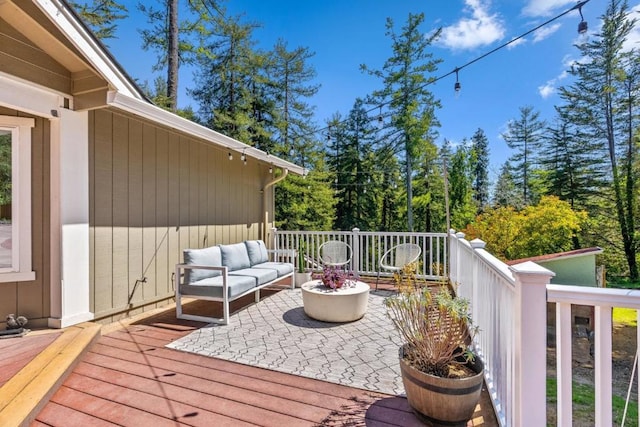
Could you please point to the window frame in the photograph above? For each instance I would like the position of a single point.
(21, 269)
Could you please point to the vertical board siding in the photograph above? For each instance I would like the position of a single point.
(135, 207)
(120, 202)
(166, 192)
(103, 199)
(147, 288)
(163, 269)
(32, 298)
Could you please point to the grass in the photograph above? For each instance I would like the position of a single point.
(625, 316)
(584, 404)
(622, 283)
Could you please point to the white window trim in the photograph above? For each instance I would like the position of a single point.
(20, 128)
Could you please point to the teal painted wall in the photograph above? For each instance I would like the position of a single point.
(579, 270)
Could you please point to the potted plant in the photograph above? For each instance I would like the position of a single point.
(334, 277)
(302, 274)
(442, 377)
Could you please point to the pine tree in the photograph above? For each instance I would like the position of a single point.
(480, 169)
(101, 16)
(227, 81)
(574, 165)
(604, 104)
(411, 107)
(289, 82)
(460, 175)
(176, 41)
(506, 193)
(429, 200)
(524, 135)
(353, 165)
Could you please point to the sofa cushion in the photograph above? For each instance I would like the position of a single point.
(262, 275)
(205, 256)
(235, 256)
(282, 268)
(257, 252)
(212, 287)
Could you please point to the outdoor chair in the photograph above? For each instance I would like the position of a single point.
(397, 258)
(334, 253)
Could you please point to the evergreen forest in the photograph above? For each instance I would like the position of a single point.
(571, 182)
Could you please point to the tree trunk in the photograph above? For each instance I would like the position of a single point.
(409, 185)
(172, 55)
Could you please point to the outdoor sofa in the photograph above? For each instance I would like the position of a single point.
(225, 273)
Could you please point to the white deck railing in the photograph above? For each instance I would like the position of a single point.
(368, 247)
(490, 286)
(509, 304)
(603, 300)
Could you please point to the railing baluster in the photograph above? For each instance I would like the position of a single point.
(602, 362)
(563, 361)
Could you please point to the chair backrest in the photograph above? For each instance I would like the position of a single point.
(335, 252)
(401, 255)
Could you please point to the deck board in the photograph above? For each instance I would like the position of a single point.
(17, 352)
(129, 377)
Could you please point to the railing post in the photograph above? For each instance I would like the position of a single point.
(473, 292)
(355, 247)
(530, 338)
(274, 237)
(459, 236)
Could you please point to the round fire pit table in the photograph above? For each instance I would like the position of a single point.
(344, 304)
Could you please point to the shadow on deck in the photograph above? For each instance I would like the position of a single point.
(128, 377)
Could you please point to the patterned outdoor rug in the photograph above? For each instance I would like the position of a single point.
(276, 334)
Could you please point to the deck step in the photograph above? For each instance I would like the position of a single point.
(24, 395)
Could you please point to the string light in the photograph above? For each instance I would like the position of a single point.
(582, 27)
(230, 156)
(271, 169)
(457, 86)
(243, 157)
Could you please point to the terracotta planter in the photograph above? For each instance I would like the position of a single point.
(442, 401)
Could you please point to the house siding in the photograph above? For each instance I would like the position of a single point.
(153, 193)
(32, 298)
(580, 271)
(20, 57)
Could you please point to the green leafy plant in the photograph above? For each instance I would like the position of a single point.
(301, 260)
(436, 327)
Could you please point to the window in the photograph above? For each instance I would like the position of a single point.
(15, 199)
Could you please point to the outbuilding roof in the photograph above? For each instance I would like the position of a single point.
(559, 255)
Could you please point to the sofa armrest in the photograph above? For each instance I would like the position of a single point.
(180, 267)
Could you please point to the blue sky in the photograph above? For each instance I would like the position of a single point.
(346, 33)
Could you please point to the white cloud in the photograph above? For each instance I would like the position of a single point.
(544, 7)
(545, 32)
(516, 43)
(480, 29)
(550, 87)
(547, 89)
(633, 39)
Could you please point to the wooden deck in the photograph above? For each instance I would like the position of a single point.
(129, 378)
(17, 352)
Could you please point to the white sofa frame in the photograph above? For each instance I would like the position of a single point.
(225, 300)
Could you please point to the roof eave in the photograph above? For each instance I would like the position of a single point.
(65, 19)
(146, 110)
